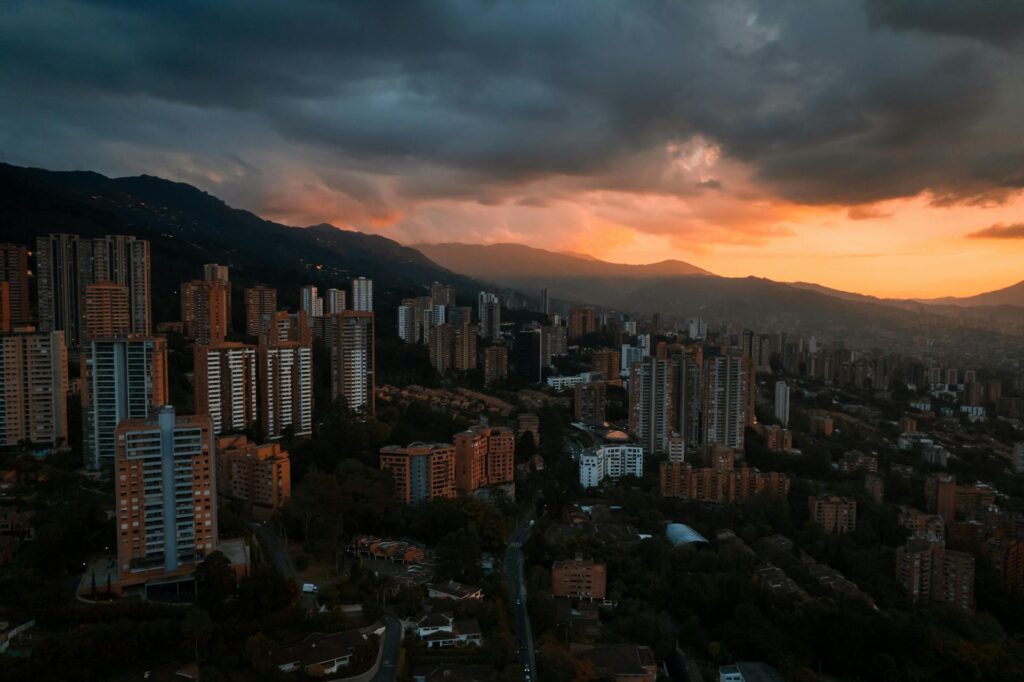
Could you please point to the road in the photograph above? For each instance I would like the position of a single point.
(276, 551)
(392, 644)
(517, 589)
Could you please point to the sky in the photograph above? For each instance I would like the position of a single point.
(874, 146)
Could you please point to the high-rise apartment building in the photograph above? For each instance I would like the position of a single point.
(125, 260)
(5, 306)
(650, 404)
(940, 496)
(166, 500)
(225, 385)
(484, 456)
(589, 402)
(835, 514)
(214, 272)
(260, 302)
(421, 471)
(931, 573)
(285, 388)
(687, 394)
(495, 364)
(310, 302)
(121, 379)
(526, 347)
(464, 347)
(352, 360)
(782, 402)
(33, 388)
(257, 474)
(14, 271)
(442, 337)
(408, 326)
(489, 312)
(545, 304)
(335, 301)
(442, 294)
(582, 321)
(107, 312)
(284, 326)
(728, 397)
(362, 295)
(63, 264)
(204, 310)
(608, 362)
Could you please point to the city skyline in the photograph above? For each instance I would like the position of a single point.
(883, 160)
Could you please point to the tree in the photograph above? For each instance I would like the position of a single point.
(215, 584)
(458, 557)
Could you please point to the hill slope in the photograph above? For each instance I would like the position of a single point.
(1011, 295)
(188, 227)
(566, 276)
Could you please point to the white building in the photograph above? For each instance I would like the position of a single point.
(335, 301)
(697, 328)
(782, 402)
(442, 631)
(610, 461)
(310, 302)
(407, 323)
(567, 382)
(225, 385)
(286, 388)
(489, 312)
(628, 356)
(352, 360)
(362, 294)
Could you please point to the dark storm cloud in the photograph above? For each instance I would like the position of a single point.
(999, 231)
(998, 21)
(452, 98)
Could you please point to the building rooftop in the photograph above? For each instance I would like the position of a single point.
(681, 534)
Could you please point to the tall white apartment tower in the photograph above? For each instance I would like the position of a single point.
(489, 312)
(727, 400)
(362, 295)
(335, 301)
(650, 404)
(225, 385)
(310, 302)
(352, 360)
(782, 402)
(286, 388)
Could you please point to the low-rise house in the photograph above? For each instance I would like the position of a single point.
(621, 662)
(442, 631)
(453, 590)
(325, 654)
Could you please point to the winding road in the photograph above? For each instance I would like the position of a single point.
(274, 547)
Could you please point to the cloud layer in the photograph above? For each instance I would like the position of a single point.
(1000, 231)
(705, 122)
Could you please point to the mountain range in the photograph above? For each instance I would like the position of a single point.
(188, 227)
